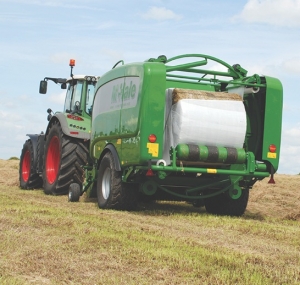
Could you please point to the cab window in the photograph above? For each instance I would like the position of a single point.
(73, 95)
(89, 98)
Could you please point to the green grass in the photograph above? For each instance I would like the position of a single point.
(46, 240)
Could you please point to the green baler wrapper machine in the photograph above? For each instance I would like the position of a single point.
(177, 131)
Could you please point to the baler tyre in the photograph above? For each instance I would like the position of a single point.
(224, 205)
(112, 193)
(74, 192)
(63, 160)
(28, 177)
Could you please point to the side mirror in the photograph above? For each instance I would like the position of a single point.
(43, 87)
(63, 86)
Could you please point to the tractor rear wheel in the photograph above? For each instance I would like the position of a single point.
(28, 177)
(112, 193)
(225, 205)
(63, 160)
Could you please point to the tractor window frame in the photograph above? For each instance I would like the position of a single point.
(74, 93)
(90, 94)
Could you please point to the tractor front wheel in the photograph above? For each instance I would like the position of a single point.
(74, 192)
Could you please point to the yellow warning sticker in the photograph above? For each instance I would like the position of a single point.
(153, 149)
(211, 170)
(272, 155)
(119, 141)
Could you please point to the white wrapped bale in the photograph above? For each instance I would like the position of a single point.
(212, 119)
(209, 122)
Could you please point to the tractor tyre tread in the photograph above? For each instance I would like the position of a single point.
(73, 157)
(34, 180)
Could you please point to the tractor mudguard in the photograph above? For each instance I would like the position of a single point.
(34, 140)
(37, 141)
(77, 133)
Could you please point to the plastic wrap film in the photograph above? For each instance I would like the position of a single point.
(209, 121)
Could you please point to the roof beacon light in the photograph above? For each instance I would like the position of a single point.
(72, 62)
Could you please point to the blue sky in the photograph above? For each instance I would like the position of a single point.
(38, 37)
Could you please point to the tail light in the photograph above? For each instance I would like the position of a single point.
(152, 138)
(272, 148)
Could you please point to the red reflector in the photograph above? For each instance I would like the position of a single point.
(152, 138)
(73, 117)
(150, 172)
(74, 133)
(272, 148)
(72, 62)
(271, 181)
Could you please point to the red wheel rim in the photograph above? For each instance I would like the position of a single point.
(26, 166)
(52, 160)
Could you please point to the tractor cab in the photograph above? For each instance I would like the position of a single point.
(80, 92)
(80, 95)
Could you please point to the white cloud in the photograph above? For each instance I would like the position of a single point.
(284, 13)
(106, 25)
(58, 98)
(56, 3)
(290, 150)
(61, 58)
(292, 65)
(113, 55)
(161, 14)
(293, 135)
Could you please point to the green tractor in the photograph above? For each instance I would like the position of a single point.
(190, 128)
(54, 159)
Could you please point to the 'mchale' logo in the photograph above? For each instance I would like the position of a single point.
(122, 92)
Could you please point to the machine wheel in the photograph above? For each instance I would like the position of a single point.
(63, 158)
(28, 177)
(224, 205)
(112, 193)
(74, 192)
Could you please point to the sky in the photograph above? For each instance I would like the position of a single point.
(38, 37)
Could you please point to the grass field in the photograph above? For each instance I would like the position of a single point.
(46, 240)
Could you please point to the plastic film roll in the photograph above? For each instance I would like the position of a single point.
(212, 154)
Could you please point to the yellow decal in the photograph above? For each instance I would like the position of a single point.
(211, 170)
(119, 141)
(153, 149)
(271, 155)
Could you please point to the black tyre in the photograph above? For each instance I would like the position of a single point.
(28, 177)
(63, 160)
(74, 192)
(224, 205)
(112, 193)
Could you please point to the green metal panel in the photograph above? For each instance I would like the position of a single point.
(272, 121)
(106, 120)
(129, 106)
(152, 110)
(130, 119)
